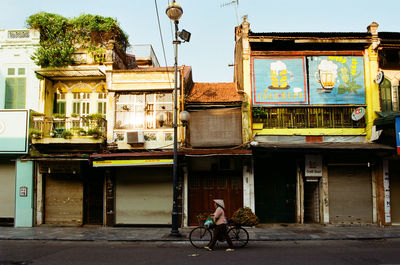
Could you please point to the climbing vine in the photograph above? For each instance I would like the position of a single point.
(60, 37)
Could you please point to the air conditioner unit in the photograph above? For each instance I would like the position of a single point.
(134, 138)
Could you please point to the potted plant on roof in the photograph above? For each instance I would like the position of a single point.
(36, 134)
(67, 134)
(95, 132)
(82, 132)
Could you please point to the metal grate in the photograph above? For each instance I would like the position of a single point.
(317, 117)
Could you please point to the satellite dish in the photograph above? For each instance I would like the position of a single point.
(358, 113)
(379, 77)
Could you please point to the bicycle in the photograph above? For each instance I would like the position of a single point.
(201, 236)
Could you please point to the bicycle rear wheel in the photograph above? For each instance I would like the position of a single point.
(239, 236)
(200, 237)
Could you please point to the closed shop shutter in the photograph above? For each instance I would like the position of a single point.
(143, 195)
(394, 174)
(7, 190)
(63, 199)
(350, 194)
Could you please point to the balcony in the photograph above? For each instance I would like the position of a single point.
(299, 118)
(62, 130)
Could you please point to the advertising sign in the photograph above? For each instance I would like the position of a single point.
(313, 167)
(386, 187)
(398, 134)
(14, 131)
(279, 81)
(134, 162)
(336, 80)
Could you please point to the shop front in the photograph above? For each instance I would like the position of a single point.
(216, 174)
(69, 193)
(139, 187)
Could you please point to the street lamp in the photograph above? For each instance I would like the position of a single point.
(174, 12)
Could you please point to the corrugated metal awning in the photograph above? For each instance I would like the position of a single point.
(329, 145)
(70, 72)
(134, 162)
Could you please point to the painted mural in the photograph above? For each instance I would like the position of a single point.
(279, 81)
(336, 80)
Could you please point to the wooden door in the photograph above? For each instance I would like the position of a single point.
(204, 187)
(94, 187)
(275, 189)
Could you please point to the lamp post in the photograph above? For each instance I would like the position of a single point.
(174, 12)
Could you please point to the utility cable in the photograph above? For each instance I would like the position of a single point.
(162, 42)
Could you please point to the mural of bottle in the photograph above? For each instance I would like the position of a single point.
(326, 76)
(280, 76)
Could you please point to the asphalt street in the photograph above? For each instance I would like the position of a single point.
(386, 251)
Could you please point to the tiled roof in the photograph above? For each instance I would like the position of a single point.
(213, 93)
(313, 34)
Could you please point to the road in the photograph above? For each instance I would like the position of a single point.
(274, 252)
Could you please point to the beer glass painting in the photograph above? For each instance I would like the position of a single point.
(280, 76)
(279, 81)
(326, 76)
(336, 80)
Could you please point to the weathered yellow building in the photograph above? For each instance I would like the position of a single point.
(312, 100)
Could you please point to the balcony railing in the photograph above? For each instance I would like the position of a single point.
(314, 117)
(46, 127)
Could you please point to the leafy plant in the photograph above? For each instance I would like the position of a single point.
(37, 114)
(81, 131)
(36, 133)
(59, 116)
(61, 37)
(95, 132)
(244, 216)
(202, 216)
(95, 116)
(348, 77)
(67, 134)
(258, 112)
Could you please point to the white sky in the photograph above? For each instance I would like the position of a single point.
(211, 47)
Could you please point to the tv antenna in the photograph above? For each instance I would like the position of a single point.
(236, 4)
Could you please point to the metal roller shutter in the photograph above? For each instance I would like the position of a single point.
(63, 199)
(143, 196)
(7, 190)
(350, 194)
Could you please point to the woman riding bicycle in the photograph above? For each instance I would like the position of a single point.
(221, 226)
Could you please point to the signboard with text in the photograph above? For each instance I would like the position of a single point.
(14, 131)
(313, 167)
(398, 134)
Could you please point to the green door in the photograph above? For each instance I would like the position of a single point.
(275, 189)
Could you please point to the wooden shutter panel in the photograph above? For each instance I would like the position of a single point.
(10, 96)
(15, 93)
(21, 93)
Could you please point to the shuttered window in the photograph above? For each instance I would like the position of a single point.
(15, 88)
(386, 95)
(15, 92)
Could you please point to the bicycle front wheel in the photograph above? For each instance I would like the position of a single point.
(239, 236)
(200, 237)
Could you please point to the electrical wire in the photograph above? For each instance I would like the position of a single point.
(162, 42)
(170, 23)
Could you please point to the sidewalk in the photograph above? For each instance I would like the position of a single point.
(260, 233)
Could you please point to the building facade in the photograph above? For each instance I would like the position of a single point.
(216, 164)
(312, 100)
(19, 93)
